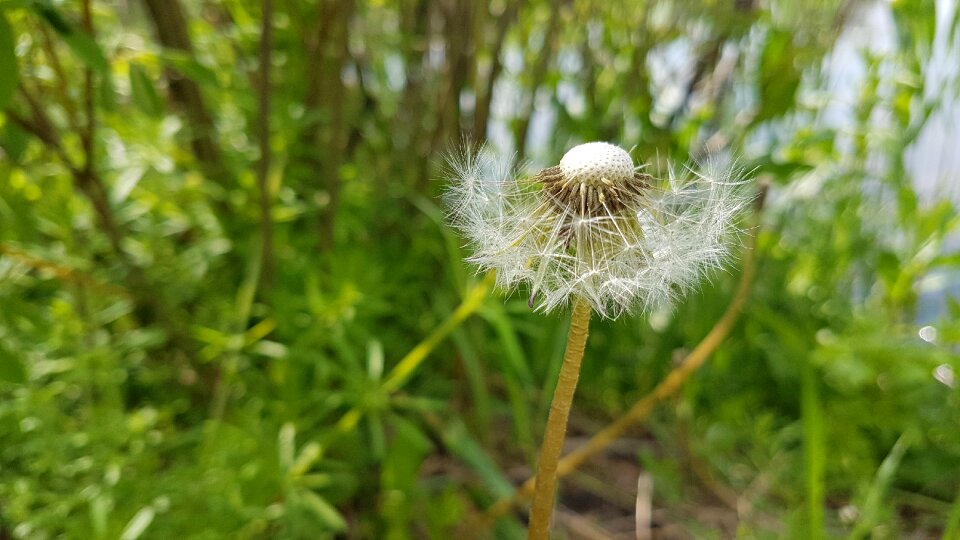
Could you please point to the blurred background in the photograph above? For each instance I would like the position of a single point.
(220, 232)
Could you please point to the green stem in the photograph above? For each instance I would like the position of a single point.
(814, 450)
(546, 480)
(408, 365)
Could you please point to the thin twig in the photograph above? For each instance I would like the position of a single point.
(87, 178)
(62, 82)
(333, 101)
(89, 130)
(538, 75)
(62, 272)
(263, 134)
(643, 513)
(41, 130)
(485, 99)
(170, 21)
(459, 29)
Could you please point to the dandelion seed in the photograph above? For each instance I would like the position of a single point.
(596, 226)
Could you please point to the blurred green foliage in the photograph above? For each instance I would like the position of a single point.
(165, 374)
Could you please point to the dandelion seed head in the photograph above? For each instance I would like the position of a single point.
(593, 179)
(597, 163)
(596, 227)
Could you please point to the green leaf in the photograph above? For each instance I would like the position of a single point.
(461, 444)
(14, 4)
(88, 51)
(378, 445)
(286, 445)
(952, 529)
(53, 17)
(125, 182)
(400, 474)
(106, 94)
(138, 524)
(82, 45)
(515, 359)
(871, 507)
(13, 140)
(12, 369)
(100, 508)
(325, 513)
(8, 63)
(143, 91)
(190, 68)
(309, 455)
(916, 27)
(779, 76)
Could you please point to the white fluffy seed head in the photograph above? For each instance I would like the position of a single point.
(595, 227)
(590, 163)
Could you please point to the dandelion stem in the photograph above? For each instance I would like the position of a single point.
(641, 409)
(546, 479)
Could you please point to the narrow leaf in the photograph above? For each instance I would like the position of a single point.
(814, 450)
(8, 63)
(461, 444)
(138, 524)
(143, 92)
(12, 369)
(125, 182)
(82, 45)
(325, 513)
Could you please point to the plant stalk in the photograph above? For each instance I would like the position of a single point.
(546, 480)
(263, 136)
(409, 364)
(667, 388)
